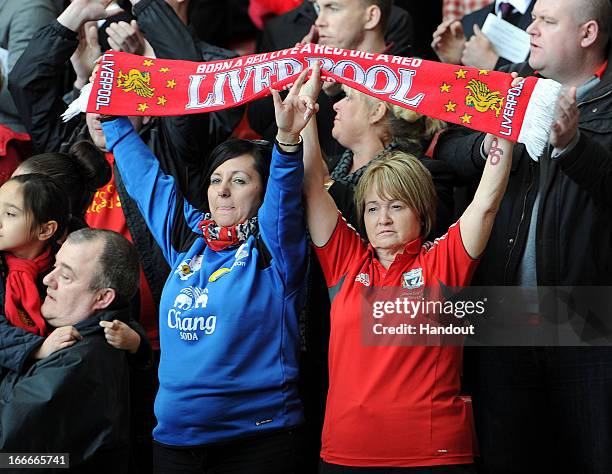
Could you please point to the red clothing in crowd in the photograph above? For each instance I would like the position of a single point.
(105, 213)
(261, 10)
(14, 148)
(392, 405)
(457, 9)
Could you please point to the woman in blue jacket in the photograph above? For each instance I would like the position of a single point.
(228, 396)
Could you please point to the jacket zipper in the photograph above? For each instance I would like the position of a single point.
(594, 99)
(518, 229)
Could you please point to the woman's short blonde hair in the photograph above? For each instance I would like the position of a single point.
(400, 176)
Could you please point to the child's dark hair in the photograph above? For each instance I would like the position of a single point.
(80, 172)
(45, 200)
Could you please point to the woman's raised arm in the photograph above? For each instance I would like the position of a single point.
(321, 211)
(477, 220)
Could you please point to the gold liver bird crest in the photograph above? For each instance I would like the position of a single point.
(136, 81)
(482, 99)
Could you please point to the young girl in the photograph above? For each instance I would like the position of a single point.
(34, 212)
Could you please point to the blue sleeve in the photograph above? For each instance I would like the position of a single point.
(281, 217)
(16, 344)
(154, 192)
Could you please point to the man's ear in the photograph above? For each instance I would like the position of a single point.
(372, 17)
(104, 298)
(589, 33)
(46, 230)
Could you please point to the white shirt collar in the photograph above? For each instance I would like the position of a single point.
(520, 5)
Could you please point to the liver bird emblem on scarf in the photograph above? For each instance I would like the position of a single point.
(482, 98)
(136, 81)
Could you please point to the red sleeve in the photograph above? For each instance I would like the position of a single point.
(447, 259)
(343, 247)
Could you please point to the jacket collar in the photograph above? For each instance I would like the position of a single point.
(91, 325)
(411, 250)
(606, 74)
(605, 85)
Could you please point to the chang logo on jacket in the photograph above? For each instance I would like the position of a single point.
(191, 297)
(188, 267)
(190, 326)
(413, 279)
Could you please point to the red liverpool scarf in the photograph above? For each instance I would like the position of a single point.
(220, 238)
(22, 304)
(480, 99)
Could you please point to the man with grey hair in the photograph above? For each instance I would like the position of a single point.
(75, 399)
(548, 409)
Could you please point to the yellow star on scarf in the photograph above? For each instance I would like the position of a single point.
(465, 118)
(483, 72)
(451, 106)
(171, 83)
(147, 62)
(143, 107)
(445, 87)
(164, 69)
(161, 100)
(461, 73)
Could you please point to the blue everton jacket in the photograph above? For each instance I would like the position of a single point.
(228, 319)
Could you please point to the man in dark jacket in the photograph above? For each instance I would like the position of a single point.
(75, 400)
(549, 409)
